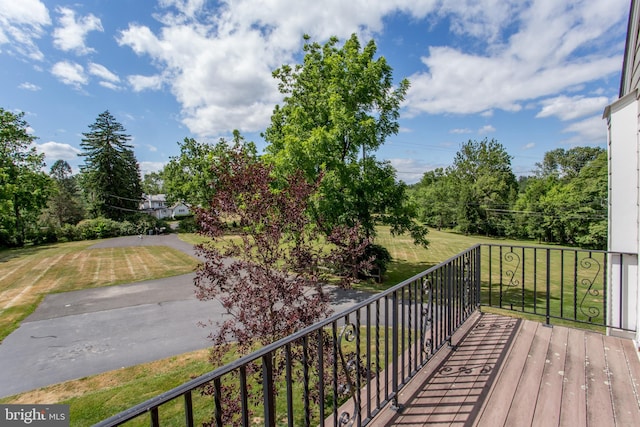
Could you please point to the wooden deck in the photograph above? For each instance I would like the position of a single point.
(512, 372)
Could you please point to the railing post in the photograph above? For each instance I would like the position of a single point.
(268, 398)
(548, 292)
(478, 277)
(394, 351)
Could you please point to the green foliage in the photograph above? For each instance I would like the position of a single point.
(64, 205)
(153, 183)
(340, 106)
(188, 225)
(567, 164)
(484, 182)
(434, 198)
(98, 228)
(110, 176)
(69, 233)
(565, 202)
(381, 257)
(24, 188)
(470, 194)
(188, 177)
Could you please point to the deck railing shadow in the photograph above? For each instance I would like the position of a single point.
(454, 386)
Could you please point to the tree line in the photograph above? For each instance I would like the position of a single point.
(102, 200)
(564, 201)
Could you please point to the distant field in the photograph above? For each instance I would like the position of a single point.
(28, 275)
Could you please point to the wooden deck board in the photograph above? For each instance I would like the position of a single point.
(547, 411)
(533, 375)
(525, 398)
(496, 408)
(625, 404)
(599, 406)
(574, 391)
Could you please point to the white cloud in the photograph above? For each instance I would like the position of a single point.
(217, 59)
(148, 167)
(140, 83)
(70, 73)
(529, 146)
(537, 60)
(71, 34)
(410, 170)
(588, 131)
(29, 86)
(107, 78)
(569, 108)
(460, 131)
(102, 72)
(21, 23)
(58, 151)
(486, 129)
(218, 63)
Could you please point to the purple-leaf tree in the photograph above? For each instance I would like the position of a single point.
(267, 261)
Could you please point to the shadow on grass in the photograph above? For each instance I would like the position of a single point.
(9, 254)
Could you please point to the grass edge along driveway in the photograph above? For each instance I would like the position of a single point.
(27, 275)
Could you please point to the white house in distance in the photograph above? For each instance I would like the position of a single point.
(156, 205)
(623, 137)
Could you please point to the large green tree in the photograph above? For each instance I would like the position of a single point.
(340, 106)
(566, 164)
(153, 183)
(434, 195)
(24, 188)
(111, 174)
(188, 177)
(65, 206)
(485, 184)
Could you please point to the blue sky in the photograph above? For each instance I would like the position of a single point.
(535, 75)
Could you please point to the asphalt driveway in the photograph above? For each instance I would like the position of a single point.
(76, 334)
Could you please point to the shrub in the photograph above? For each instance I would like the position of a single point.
(70, 233)
(98, 228)
(381, 259)
(188, 225)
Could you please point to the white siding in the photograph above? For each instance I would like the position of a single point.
(623, 296)
(623, 175)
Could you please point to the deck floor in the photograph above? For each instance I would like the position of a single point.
(512, 372)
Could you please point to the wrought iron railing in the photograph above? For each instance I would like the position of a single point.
(344, 370)
(558, 284)
(348, 367)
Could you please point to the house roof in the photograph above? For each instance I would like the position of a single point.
(630, 79)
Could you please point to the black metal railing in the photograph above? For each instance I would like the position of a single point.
(341, 371)
(558, 283)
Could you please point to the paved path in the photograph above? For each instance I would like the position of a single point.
(77, 334)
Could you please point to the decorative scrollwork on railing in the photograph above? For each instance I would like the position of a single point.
(467, 274)
(511, 258)
(349, 366)
(592, 266)
(427, 316)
